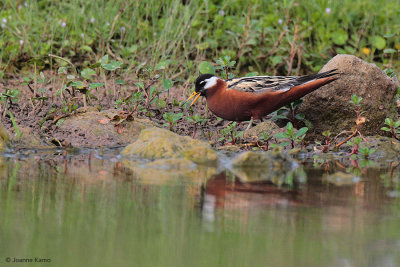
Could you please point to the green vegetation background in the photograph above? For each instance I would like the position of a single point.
(274, 37)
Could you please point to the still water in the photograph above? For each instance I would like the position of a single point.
(93, 209)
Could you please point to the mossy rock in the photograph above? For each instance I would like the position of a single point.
(272, 165)
(4, 138)
(157, 143)
(167, 171)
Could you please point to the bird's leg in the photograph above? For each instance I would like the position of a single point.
(250, 124)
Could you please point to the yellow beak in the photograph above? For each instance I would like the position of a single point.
(195, 95)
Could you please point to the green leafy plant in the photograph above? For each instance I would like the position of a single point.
(10, 95)
(206, 67)
(224, 64)
(289, 113)
(292, 136)
(172, 119)
(230, 134)
(15, 126)
(181, 38)
(327, 134)
(8, 98)
(355, 144)
(263, 140)
(366, 151)
(393, 127)
(356, 102)
(196, 120)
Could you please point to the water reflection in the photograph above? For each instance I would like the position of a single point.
(341, 198)
(329, 213)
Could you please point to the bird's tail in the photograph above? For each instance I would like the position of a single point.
(311, 83)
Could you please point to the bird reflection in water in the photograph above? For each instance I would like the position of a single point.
(226, 191)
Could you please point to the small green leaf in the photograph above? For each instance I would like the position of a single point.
(113, 65)
(86, 48)
(95, 65)
(162, 65)
(289, 126)
(389, 51)
(140, 84)
(160, 103)
(40, 98)
(276, 60)
(251, 74)
(87, 73)
(340, 37)
(14, 125)
(378, 42)
(59, 122)
(385, 129)
(281, 135)
(284, 143)
(62, 70)
(326, 133)
(78, 84)
(206, 67)
(95, 85)
(389, 121)
(36, 61)
(104, 59)
(277, 117)
(167, 84)
(121, 82)
(301, 132)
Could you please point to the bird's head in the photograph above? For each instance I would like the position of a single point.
(202, 84)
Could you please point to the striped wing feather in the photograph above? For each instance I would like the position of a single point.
(261, 84)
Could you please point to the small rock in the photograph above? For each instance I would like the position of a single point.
(328, 108)
(271, 165)
(341, 178)
(268, 127)
(158, 143)
(385, 147)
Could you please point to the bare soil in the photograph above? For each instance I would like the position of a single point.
(42, 113)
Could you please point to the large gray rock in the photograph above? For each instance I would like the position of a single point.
(328, 108)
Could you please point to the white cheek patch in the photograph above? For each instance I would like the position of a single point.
(210, 82)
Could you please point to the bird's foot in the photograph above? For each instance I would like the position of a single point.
(250, 124)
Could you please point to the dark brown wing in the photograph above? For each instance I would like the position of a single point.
(262, 84)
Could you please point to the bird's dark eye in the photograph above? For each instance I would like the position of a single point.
(202, 82)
